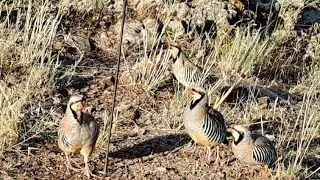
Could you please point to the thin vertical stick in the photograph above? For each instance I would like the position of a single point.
(115, 86)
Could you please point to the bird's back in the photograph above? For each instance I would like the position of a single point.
(187, 73)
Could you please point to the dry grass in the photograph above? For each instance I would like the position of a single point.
(295, 140)
(25, 46)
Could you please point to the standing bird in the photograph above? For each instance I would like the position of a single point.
(186, 72)
(205, 125)
(78, 132)
(252, 148)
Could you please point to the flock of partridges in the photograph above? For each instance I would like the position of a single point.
(78, 131)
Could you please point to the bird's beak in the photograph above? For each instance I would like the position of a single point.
(230, 127)
(230, 124)
(189, 93)
(81, 107)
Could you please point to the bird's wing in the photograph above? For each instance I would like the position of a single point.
(260, 140)
(264, 151)
(188, 63)
(90, 131)
(217, 116)
(214, 126)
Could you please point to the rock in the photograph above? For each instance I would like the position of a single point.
(81, 6)
(210, 10)
(176, 28)
(147, 9)
(79, 40)
(310, 16)
(132, 36)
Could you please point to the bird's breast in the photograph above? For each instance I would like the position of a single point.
(244, 152)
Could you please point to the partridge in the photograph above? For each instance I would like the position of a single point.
(186, 72)
(205, 125)
(78, 132)
(251, 148)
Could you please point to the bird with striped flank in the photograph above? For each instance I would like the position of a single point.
(78, 132)
(205, 125)
(252, 148)
(185, 71)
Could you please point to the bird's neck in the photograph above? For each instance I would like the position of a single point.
(77, 115)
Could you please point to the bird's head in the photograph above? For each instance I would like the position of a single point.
(196, 92)
(75, 105)
(199, 97)
(174, 51)
(238, 132)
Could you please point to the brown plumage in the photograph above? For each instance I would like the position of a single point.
(252, 148)
(78, 132)
(185, 71)
(205, 125)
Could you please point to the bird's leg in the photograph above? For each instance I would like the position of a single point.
(206, 160)
(67, 157)
(267, 174)
(86, 167)
(86, 151)
(192, 145)
(69, 166)
(217, 155)
(209, 154)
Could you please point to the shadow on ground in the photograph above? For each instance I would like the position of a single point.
(270, 126)
(242, 94)
(154, 145)
(309, 16)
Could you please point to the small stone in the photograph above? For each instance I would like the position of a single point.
(161, 169)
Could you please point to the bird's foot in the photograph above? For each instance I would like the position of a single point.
(267, 174)
(69, 166)
(89, 174)
(78, 166)
(205, 160)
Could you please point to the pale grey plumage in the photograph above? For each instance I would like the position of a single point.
(78, 132)
(252, 148)
(186, 72)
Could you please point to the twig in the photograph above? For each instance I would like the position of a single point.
(260, 122)
(217, 104)
(115, 87)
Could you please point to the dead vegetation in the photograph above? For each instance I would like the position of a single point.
(50, 49)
